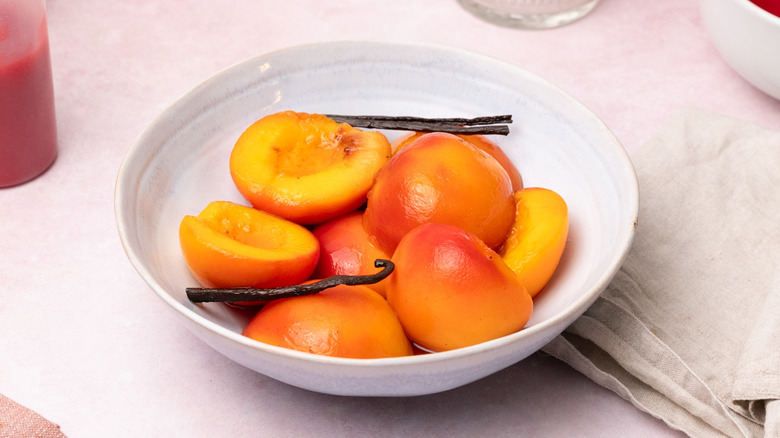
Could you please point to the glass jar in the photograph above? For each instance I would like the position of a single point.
(28, 131)
(529, 14)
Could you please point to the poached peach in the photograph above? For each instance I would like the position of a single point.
(440, 178)
(536, 242)
(480, 141)
(306, 167)
(346, 249)
(232, 245)
(343, 321)
(450, 290)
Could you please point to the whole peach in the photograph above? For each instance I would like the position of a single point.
(440, 178)
(346, 249)
(450, 290)
(343, 321)
(480, 141)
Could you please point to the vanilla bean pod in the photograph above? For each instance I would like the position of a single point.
(241, 294)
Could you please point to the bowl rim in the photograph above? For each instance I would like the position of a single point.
(566, 316)
(756, 10)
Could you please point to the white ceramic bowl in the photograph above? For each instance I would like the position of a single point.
(180, 163)
(748, 39)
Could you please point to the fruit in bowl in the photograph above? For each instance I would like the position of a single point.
(450, 290)
(439, 206)
(439, 177)
(481, 142)
(347, 249)
(169, 172)
(306, 167)
(343, 321)
(535, 244)
(229, 245)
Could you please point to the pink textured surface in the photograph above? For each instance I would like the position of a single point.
(87, 345)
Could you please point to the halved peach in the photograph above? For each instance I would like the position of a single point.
(480, 141)
(232, 245)
(346, 249)
(535, 245)
(306, 167)
(343, 321)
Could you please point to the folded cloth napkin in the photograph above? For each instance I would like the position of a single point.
(16, 421)
(689, 329)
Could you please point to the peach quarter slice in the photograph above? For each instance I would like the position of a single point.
(306, 167)
(536, 242)
(232, 245)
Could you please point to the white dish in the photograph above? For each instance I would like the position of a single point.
(748, 39)
(179, 163)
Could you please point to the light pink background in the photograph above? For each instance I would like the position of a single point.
(85, 343)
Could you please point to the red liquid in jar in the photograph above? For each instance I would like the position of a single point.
(771, 6)
(28, 132)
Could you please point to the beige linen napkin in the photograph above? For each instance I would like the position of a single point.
(689, 329)
(16, 421)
